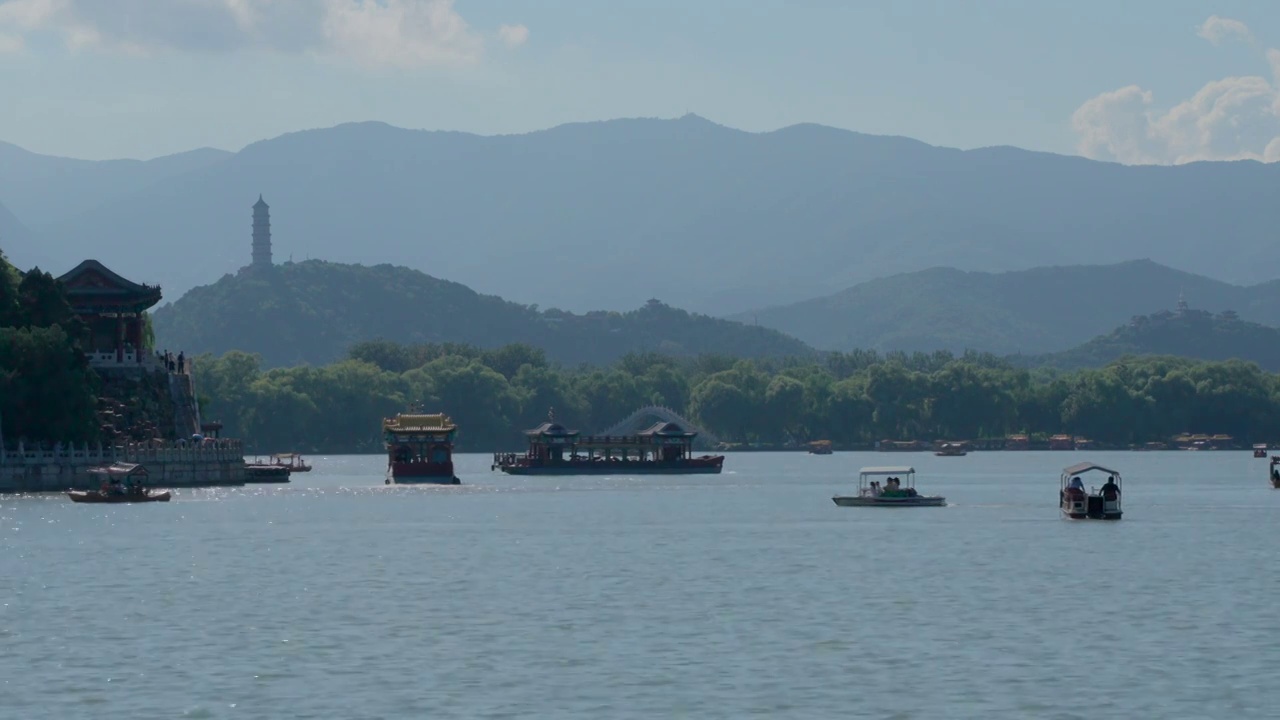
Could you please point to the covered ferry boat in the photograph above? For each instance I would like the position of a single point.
(293, 462)
(420, 449)
(891, 492)
(121, 483)
(952, 449)
(258, 472)
(1260, 451)
(1078, 503)
(663, 449)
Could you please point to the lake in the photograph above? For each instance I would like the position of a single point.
(744, 594)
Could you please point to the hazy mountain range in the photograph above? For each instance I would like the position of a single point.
(313, 312)
(610, 214)
(1035, 311)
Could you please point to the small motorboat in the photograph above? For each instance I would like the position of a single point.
(95, 496)
(1260, 451)
(894, 493)
(952, 450)
(1093, 504)
(292, 461)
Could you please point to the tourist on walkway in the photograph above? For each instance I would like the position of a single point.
(181, 362)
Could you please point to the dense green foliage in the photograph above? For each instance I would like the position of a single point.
(1189, 333)
(1042, 310)
(47, 390)
(849, 398)
(313, 312)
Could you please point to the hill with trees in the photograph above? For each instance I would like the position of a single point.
(1035, 311)
(1188, 333)
(608, 214)
(313, 312)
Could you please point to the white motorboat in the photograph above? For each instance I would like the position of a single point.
(892, 492)
(1078, 503)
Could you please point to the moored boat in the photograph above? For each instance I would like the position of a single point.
(261, 473)
(893, 493)
(420, 449)
(121, 483)
(1078, 503)
(663, 449)
(820, 447)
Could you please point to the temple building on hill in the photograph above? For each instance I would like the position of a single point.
(112, 308)
(261, 234)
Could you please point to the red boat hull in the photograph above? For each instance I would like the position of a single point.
(408, 473)
(93, 496)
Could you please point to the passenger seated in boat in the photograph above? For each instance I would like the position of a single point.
(1075, 491)
(1110, 491)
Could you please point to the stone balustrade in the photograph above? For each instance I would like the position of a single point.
(210, 462)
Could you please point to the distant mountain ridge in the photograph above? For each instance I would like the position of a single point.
(1035, 311)
(1187, 333)
(609, 214)
(313, 312)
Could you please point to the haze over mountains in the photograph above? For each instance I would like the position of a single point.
(610, 214)
(1035, 311)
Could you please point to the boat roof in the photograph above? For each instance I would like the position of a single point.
(887, 470)
(1085, 467)
(1260, 446)
(287, 455)
(119, 469)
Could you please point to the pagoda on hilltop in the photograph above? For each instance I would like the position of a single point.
(261, 235)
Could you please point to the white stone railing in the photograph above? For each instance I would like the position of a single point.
(209, 450)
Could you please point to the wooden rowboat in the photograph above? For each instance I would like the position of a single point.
(93, 496)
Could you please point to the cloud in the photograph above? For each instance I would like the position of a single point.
(1216, 29)
(513, 35)
(396, 33)
(1235, 118)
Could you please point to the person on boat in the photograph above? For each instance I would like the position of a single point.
(1110, 491)
(1075, 490)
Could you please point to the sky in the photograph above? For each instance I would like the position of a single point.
(1138, 81)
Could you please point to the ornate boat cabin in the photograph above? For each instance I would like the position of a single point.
(420, 449)
(663, 449)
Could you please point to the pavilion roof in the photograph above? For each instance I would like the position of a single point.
(551, 429)
(93, 281)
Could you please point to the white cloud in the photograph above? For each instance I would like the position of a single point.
(1216, 29)
(397, 33)
(1235, 118)
(513, 35)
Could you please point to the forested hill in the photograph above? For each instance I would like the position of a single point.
(1042, 310)
(1192, 334)
(314, 312)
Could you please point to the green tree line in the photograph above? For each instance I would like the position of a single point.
(848, 398)
(47, 390)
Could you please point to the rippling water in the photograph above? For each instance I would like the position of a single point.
(718, 597)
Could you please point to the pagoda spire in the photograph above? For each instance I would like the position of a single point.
(261, 234)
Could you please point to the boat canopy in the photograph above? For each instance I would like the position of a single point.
(119, 470)
(1085, 467)
(1260, 446)
(888, 470)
